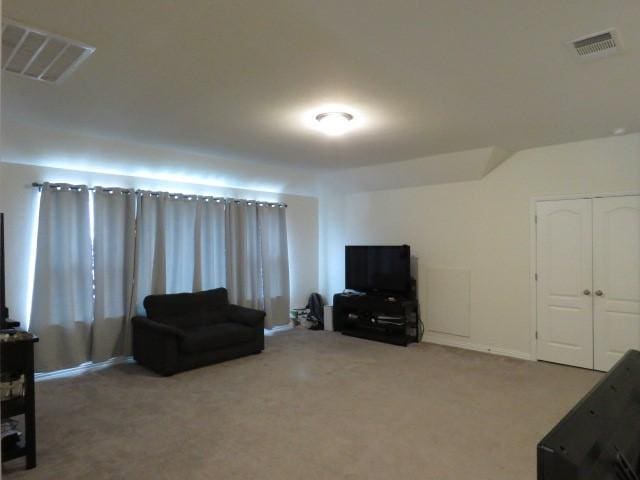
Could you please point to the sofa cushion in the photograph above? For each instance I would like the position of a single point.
(212, 337)
(201, 318)
(179, 304)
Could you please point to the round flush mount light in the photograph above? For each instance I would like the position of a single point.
(334, 124)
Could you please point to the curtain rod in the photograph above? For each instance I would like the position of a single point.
(183, 196)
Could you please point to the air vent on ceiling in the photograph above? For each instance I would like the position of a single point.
(596, 45)
(40, 55)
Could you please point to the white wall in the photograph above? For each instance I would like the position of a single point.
(18, 199)
(481, 226)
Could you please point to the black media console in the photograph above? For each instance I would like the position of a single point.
(381, 318)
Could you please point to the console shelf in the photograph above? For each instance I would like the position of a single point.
(380, 318)
(16, 358)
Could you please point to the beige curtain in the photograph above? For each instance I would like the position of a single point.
(62, 307)
(257, 259)
(210, 269)
(272, 226)
(179, 245)
(113, 249)
(243, 255)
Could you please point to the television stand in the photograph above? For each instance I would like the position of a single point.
(376, 317)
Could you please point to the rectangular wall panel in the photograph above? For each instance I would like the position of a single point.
(447, 292)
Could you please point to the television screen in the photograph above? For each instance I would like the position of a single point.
(598, 439)
(3, 307)
(384, 269)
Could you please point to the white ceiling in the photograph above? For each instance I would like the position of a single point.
(234, 78)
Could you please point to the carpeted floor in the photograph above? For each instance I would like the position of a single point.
(313, 405)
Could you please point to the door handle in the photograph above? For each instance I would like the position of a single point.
(599, 293)
(587, 291)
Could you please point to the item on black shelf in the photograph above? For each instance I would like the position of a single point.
(347, 292)
(10, 433)
(8, 426)
(391, 320)
(10, 440)
(6, 334)
(11, 386)
(14, 335)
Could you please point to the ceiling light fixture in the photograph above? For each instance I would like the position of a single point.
(334, 124)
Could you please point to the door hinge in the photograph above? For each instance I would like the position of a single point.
(535, 218)
(536, 275)
(536, 335)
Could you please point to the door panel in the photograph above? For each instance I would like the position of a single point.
(616, 230)
(564, 265)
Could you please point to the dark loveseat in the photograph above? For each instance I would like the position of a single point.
(188, 330)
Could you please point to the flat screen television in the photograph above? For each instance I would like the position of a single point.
(4, 313)
(599, 439)
(378, 268)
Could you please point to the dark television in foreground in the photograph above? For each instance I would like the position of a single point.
(378, 269)
(4, 313)
(599, 439)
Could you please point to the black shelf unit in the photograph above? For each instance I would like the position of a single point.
(376, 317)
(16, 358)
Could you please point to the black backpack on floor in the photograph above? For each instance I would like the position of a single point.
(315, 305)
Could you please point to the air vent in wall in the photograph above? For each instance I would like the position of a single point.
(40, 55)
(596, 45)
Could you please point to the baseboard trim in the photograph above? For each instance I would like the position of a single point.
(476, 347)
(80, 369)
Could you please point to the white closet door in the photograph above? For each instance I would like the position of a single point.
(616, 230)
(564, 256)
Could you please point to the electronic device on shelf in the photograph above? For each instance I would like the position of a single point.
(391, 320)
(378, 269)
(348, 292)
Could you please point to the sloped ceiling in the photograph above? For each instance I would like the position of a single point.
(444, 168)
(233, 78)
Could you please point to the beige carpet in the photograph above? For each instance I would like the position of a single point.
(314, 405)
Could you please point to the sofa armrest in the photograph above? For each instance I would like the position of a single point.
(247, 316)
(145, 323)
(155, 345)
